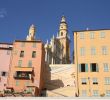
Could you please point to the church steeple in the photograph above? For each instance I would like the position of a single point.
(31, 35)
(63, 29)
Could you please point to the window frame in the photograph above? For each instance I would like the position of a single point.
(86, 67)
(19, 63)
(106, 67)
(82, 51)
(17, 82)
(104, 50)
(33, 54)
(95, 92)
(83, 81)
(22, 54)
(30, 63)
(102, 34)
(34, 45)
(91, 67)
(81, 35)
(107, 80)
(108, 94)
(92, 35)
(84, 92)
(95, 80)
(93, 51)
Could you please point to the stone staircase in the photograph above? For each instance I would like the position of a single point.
(60, 82)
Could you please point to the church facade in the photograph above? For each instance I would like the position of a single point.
(58, 50)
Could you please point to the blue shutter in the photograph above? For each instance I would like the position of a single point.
(91, 67)
(79, 67)
(97, 69)
(86, 67)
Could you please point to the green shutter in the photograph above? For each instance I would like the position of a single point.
(79, 67)
(86, 67)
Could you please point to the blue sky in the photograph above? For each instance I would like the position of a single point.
(17, 15)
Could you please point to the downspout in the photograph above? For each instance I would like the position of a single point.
(77, 65)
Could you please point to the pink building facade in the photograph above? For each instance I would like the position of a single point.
(5, 57)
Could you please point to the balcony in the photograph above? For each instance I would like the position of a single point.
(23, 75)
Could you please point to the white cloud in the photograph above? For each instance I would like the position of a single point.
(3, 13)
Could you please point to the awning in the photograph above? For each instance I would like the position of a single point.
(28, 69)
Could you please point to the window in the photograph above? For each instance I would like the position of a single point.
(82, 51)
(91, 35)
(3, 73)
(106, 67)
(107, 80)
(34, 45)
(22, 54)
(27, 83)
(30, 89)
(33, 54)
(95, 93)
(102, 34)
(61, 33)
(22, 44)
(17, 83)
(84, 81)
(94, 67)
(30, 63)
(95, 81)
(93, 51)
(84, 93)
(107, 92)
(83, 67)
(81, 35)
(104, 50)
(20, 63)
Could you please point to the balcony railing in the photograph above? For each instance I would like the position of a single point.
(22, 75)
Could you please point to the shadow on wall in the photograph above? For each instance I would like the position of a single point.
(51, 84)
(55, 84)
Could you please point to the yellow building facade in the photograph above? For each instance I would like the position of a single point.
(92, 59)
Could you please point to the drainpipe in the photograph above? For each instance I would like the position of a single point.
(77, 65)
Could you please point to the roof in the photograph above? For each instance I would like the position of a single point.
(28, 41)
(91, 30)
(3, 48)
(6, 43)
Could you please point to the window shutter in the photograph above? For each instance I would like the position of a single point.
(86, 67)
(79, 67)
(97, 69)
(91, 67)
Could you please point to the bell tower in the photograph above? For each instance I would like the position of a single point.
(63, 29)
(31, 35)
(64, 40)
